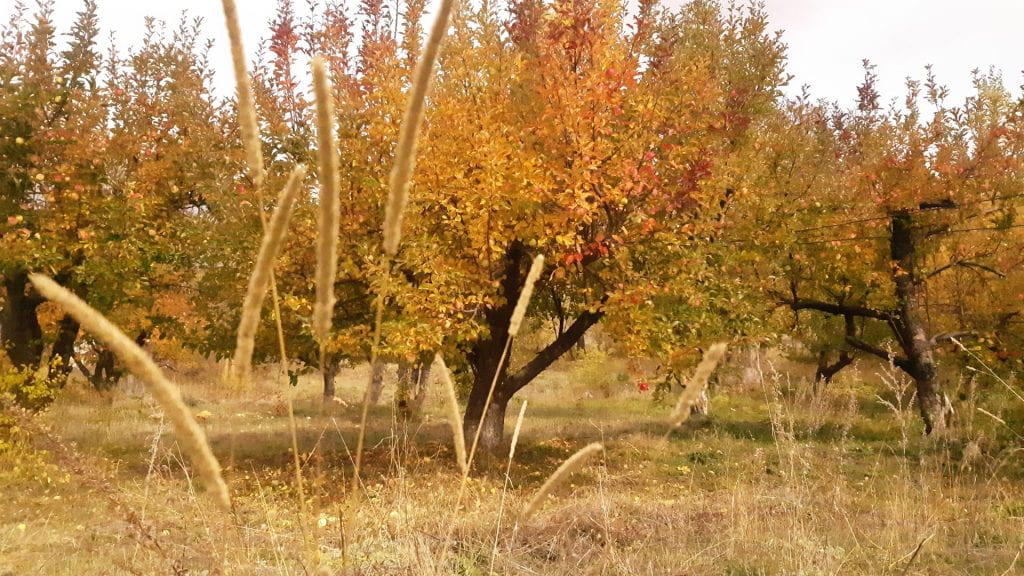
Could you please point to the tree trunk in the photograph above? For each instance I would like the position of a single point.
(329, 374)
(376, 382)
(106, 374)
(403, 388)
(751, 365)
(484, 359)
(60, 364)
(493, 430)
(412, 386)
(422, 385)
(486, 356)
(20, 333)
(911, 326)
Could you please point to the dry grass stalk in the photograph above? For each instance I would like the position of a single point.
(246, 104)
(249, 127)
(524, 297)
(398, 193)
(190, 435)
(260, 278)
(572, 464)
(405, 157)
(696, 385)
(507, 482)
(453, 413)
(515, 434)
(330, 206)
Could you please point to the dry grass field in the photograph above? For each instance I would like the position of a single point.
(774, 481)
(241, 472)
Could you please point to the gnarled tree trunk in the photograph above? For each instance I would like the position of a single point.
(484, 359)
(911, 326)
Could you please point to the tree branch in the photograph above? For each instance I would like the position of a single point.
(984, 268)
(797, 304)
(863, 346)
(853, 340)
(965, 264)
(83, 368)
(552, 351)
(950, 336)
(943, 204)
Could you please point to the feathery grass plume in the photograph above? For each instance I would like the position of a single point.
(190, 435)
(271, 245)
(405, 157)
(524, 297)
(696, 385)
(515, 433)
(453, 413)
(330, 205)
(246, 105)
(572, 464)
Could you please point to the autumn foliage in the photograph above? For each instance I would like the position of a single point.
(647, 153)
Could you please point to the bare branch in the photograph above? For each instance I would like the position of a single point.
(941, 337)
(838, 309)
(863, 346)
(965, 264)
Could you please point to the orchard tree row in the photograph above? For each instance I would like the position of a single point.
(649, 155)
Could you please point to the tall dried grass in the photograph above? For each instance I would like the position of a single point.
(452, 407)
(249, 128)
(398, 192)
(193, 440)
(246, 104)
(696, 385)
(571, 464)
(524, 297)
(261, 274)
(330, 204)
(405, 157)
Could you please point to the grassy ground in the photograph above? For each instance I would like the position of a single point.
(773, 482)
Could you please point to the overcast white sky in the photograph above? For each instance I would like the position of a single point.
(827, 38)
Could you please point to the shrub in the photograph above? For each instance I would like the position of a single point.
(24, 389)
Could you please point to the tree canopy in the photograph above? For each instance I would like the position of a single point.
(647, 153)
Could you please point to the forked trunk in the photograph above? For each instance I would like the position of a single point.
(21, 335)
(486, 356)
